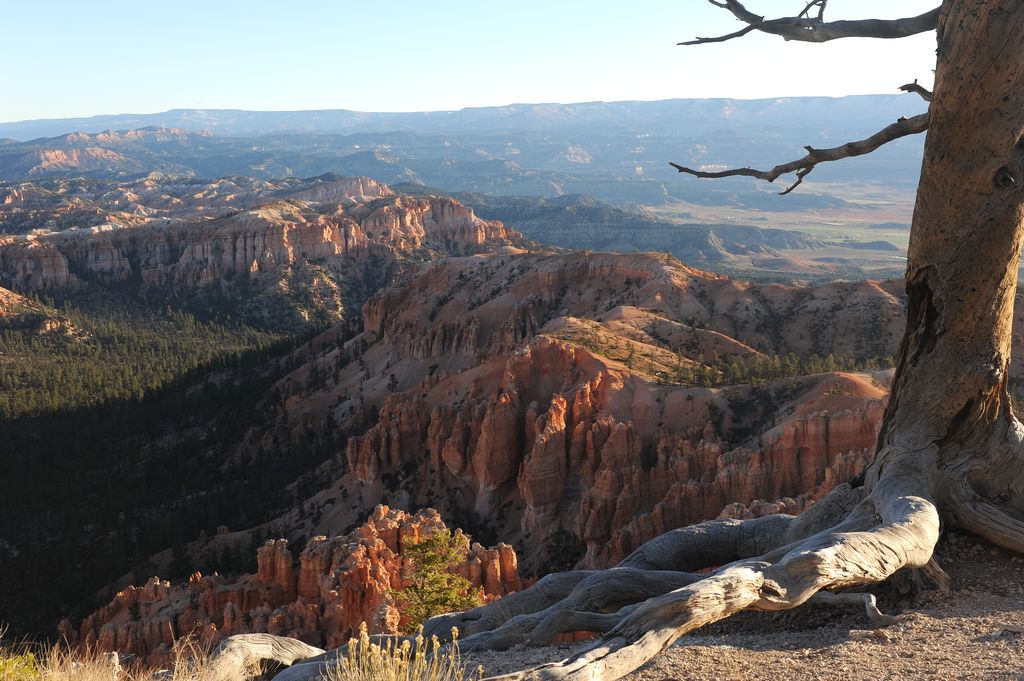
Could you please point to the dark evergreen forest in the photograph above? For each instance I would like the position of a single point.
(121, 434)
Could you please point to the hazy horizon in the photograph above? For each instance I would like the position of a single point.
(112, 114)
(409, 57)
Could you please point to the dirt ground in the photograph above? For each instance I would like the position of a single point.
(975, 632)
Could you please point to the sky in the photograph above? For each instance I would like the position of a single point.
(67, 58)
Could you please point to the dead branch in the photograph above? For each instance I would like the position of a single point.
(803, 166)
(820, 4)
(809, 29)
(926, 95)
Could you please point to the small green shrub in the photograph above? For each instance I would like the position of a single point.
(18, 666)
(434, 588)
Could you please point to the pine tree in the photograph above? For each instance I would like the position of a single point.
(434, 589)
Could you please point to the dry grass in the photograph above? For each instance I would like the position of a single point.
(418, 660)
(28, 662)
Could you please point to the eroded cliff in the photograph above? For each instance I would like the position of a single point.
(539, 398)
(309, 247)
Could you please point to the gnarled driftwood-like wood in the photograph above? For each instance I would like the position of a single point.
(240, 655)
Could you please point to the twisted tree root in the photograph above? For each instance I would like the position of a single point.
(600, 594)
(867, 600)
(659, 566)
(905, 536)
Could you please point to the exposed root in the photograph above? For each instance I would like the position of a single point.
(783, 579)
(868, 601)
(653, 569)
(564, 621)
(649, 628)
(1000, 525)
(711, 543)
(602, 593)
(237, 655)
(937, 576)
(549, 590)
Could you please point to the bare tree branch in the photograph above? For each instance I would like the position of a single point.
(816, 30)
(722, 38)
(802, 167)
(926, 94)
(820, 4)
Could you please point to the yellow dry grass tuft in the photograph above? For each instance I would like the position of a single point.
(29, 662)
(416, 660)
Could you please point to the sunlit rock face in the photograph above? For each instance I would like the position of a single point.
(336, 584)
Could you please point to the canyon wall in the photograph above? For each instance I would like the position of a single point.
(571, 458)
(223, 250)
(534, 396)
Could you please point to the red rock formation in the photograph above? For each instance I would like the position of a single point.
(275, 567)
(566, 445)
(86, 158)
(538, 386)
(186, 243)
(341, 582)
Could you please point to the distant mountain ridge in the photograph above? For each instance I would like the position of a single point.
(617, 152)
(790, 112)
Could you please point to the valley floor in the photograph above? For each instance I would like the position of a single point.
(976, 632)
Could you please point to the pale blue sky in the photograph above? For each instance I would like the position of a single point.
(78, 58)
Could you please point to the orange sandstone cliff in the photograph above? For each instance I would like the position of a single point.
(537, 397)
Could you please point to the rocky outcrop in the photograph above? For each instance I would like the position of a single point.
(340, 583)
(84, 159)
(798, 463)
(23, 314)
(441, 223)
(282, 254)
(552, 398)
(494, 305)
(275, 568)
(335, 189)
(245, 244)
(571, 458)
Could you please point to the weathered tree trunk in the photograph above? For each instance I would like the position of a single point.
(949, 442)
(949, 405)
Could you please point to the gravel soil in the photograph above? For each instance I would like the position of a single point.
(975, 632)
